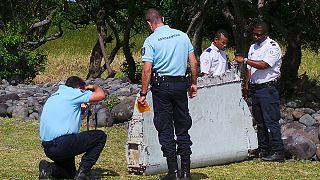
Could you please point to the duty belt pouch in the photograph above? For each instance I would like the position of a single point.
(155, 79)
(188, 77)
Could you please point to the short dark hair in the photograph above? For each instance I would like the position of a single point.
(75, 82)
(263, 25)
(219, 32)
(153, 16)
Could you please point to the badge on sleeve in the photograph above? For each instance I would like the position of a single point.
(143, 51)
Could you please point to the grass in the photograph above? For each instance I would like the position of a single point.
(21, 153)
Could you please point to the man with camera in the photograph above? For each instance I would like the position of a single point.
(60, 131)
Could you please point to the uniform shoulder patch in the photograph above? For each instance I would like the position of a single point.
(143, 51)
(208, 49)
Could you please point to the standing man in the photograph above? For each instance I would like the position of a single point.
(264, 62)
(165, 54)
(213, 60)
(59, 131)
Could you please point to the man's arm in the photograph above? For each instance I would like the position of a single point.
(98, 93)
(258, 64)
(146, 76)
(194, 71)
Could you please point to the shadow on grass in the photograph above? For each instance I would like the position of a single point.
(99, 173)
(198, 176)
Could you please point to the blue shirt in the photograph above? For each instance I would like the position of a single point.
(61, 112)
(168, 50)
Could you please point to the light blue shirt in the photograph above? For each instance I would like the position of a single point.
(61, 112)
(167, 49)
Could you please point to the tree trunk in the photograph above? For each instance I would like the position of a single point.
(197, 39)
(291, 61)
(126, 49)
(95, 61)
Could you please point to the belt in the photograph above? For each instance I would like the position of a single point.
(173, 78)
(269, 84)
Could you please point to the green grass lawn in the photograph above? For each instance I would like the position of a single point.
(21, 151)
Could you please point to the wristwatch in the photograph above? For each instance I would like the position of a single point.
(245, 60)
(143, 94)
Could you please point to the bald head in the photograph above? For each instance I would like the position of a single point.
(154, 16)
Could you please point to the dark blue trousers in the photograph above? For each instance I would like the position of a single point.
(62, 151)
(266, 112)
(172, 118)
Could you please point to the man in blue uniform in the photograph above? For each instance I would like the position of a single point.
(213, 60)
(165, 54)
(59, 131)
(264, 62)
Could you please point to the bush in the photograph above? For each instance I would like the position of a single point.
(16, 61)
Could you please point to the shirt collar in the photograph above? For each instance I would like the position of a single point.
(214, 47)
(161, 27)
(264, 42)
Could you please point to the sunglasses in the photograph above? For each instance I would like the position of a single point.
(258, 34)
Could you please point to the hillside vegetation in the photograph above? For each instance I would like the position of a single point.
(70, 55)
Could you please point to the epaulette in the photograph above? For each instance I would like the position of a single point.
(208, 50)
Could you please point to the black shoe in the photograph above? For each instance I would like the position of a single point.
(185, 169)
(170, 176)
(263, 153)
(274, 157)
(259, 153)
(44, 170)
(172, 170)
(83, 174)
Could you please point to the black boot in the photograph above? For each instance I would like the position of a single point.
(82, 174)
(45, 170)
(172, 170)
(275, 157)
(185, 169)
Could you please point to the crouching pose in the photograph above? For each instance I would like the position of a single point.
(60, 131)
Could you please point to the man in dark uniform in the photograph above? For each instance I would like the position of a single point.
(264, 62)
(166, 52)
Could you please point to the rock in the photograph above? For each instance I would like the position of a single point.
(3, 110)
(34, 116)
(312, 133)
(298, 113)
(318, 152)
(316, 117)
(104, 118)
(297, 103)
(295, 125)
(6, 97)
(20, 112)
(307, 120)
(299, 146)
(123, 111)
(309, 111)
(286, 112)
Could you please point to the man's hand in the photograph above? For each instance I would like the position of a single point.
(192, 91)
(239, 58)
(141, 99)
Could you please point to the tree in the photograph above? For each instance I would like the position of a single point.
(24, 27)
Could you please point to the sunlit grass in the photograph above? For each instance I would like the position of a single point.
(21, 152)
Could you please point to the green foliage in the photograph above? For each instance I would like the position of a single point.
(125, 69)
(111, 101)
(17, 61)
